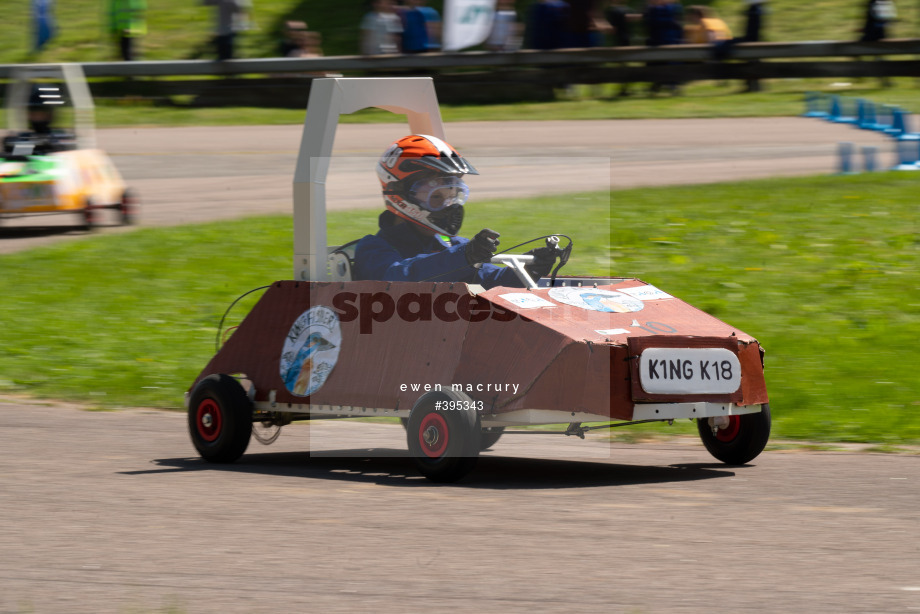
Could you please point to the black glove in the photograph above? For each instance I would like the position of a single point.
(543, 260)
(482, 246)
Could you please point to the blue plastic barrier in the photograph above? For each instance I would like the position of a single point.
(869, 157)
(908, 150)
(898, 122)
(838, 111)
(883, 118)
(816, 104)
(845, 158)
(865, 117)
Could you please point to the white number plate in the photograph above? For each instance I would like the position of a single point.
(689, 371)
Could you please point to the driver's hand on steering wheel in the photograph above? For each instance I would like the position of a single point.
(543, 260)
(481, 247)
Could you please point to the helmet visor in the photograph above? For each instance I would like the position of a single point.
(437, 193)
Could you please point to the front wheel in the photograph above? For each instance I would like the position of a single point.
(444, 443)
(742, 440)
(220, 418)
(127, 209)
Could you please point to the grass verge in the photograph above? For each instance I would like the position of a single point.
(821, 270)
(699, 100)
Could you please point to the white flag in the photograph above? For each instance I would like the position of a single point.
(466, 23)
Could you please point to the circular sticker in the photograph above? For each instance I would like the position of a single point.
(310, 351)
(593, 299)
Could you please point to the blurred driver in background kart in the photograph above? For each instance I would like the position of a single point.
(40, 110)
(424, 194)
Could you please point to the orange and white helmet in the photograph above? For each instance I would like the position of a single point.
(421, 180)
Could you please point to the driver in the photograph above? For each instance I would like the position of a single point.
(424, 194)
(40, 114)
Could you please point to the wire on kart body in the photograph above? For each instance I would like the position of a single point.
(220, 326)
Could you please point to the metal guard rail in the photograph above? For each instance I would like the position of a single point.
(483, 59)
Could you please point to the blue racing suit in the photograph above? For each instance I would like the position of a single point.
(399, 253)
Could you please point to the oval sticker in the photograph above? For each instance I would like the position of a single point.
(310, 351)
(594, 299)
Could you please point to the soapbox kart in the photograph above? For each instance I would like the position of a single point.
(57, 171)
(456, 362)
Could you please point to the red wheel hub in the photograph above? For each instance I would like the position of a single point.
(433, 435)
(208, 420)
(731, 431)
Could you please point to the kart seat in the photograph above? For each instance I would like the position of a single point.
(341, 261)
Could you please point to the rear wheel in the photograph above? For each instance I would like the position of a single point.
(90, 215)
(741, 441)
(220, 418)
(444, 443)
(127, 208)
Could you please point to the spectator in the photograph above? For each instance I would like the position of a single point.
(127, 22)
(421, 28)
(584, 27)
(43, 24)
(506, 31)
(879, 13)
(753, 33)
(620, 18)
(663, 26)
(232, 17)
(381, 29)
(308, 44)
(663, 23)
(298, 42)
(704, 26)
(546, 26)
(290, 37)
(754, 20)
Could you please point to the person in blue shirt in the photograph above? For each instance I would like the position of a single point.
(421, 28)
(424, 194)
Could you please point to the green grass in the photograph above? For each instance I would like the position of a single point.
(823, 271)
(701, 100)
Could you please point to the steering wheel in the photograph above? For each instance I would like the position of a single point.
(518, 261)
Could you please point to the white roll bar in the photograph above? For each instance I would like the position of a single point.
(329, 98)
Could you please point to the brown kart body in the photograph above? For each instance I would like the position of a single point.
(562, 358)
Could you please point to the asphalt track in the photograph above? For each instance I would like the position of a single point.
(188, 175)
(112, 511)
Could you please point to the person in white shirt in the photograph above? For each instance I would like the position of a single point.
(381, 29)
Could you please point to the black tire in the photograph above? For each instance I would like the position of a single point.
(444, 443)
(490, 436)
(90, 216)
(742, 441)
(127, 209)
(220, 418)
